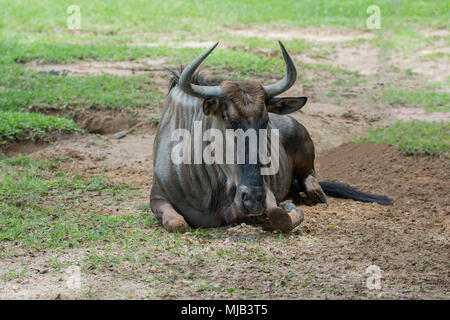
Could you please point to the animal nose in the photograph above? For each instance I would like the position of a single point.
(254, 199)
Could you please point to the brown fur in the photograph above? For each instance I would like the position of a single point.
(243, 101)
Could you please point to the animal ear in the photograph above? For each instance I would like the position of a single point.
(210, 106)
(285, 105)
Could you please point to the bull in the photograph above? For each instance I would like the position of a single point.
(215, 194)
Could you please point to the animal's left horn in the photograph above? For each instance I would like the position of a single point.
(288, 80)
(195, 90)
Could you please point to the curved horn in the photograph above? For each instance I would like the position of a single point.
(195, 90)
(288, 80)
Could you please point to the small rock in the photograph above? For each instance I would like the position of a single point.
(289, 206)
(120, 134)
(117, 163)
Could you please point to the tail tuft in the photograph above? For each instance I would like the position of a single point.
(344, 191)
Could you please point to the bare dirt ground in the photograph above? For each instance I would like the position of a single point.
(118, 68)
(327, 258)
(310, 34)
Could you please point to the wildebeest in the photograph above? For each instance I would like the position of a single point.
(210, 195)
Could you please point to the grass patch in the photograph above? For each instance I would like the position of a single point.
(13, 274)
(435, 56)
(34, 211)
(31, 126)
(414, 137)
(206, 16)
(227, 59)
(402, 38)
(294, 46)
(438, 85)
(430, 100)
(26, 89)
(21, 50)
(61, 53)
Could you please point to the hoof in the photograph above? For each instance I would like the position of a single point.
(297, 216)
(175, 225)
(280, 220)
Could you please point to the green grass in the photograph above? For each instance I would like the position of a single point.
(203, 16)
(435, 56)
(20, 51)
(406, 38)
(414, 137)
(438, 85)
(29, 217)
(294, 46)
(430, 100)
(244, 63)
(31, 126)
(61, 53)
(29, 90)
(13, 274)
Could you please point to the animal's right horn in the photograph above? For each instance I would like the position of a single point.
(185, 84)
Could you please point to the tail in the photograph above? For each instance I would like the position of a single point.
(344, 191)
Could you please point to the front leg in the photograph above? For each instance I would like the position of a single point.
(171, 220)
(279, 218)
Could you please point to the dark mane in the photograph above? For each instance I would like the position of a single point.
(196, 79)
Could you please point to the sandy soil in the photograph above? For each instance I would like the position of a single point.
(118, 68)
(310, 34)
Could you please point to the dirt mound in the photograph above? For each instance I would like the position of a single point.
(21, 147)
(386, 170)
(105, 122)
